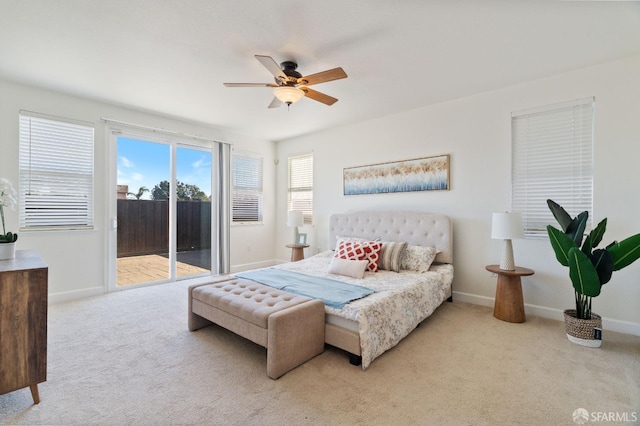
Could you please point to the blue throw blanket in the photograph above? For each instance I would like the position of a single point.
(334, 293)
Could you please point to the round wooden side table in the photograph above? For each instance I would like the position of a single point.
(509, 303)
(297, 251)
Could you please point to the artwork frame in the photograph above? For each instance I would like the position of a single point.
(302, 239)
(418, 174)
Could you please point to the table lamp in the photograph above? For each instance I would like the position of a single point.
(506, 226)
(295, 219)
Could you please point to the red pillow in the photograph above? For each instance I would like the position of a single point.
(349, 250)
(372, 254)
(356, 250)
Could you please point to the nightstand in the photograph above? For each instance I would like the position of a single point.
(509, 304)
(297, 251)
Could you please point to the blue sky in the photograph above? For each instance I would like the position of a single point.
(142, 163)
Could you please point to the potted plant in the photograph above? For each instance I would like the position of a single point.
(7, 239)
(589, 268)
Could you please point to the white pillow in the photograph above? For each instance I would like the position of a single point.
(349, 268)
(418, 258)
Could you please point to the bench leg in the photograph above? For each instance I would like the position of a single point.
(197, 322)
(294, 336)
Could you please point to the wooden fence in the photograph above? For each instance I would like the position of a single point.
(143, 226)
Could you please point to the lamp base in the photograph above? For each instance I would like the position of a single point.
(506, 261)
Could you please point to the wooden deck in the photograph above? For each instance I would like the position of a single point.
(141, 269)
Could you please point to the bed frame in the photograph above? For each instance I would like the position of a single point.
(416, 228)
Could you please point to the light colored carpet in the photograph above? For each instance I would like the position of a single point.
(128, 358)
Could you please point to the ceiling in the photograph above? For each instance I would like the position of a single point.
(171, 57)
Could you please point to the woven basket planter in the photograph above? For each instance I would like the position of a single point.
(581, 331)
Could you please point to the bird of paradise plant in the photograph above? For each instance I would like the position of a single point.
(589, 267)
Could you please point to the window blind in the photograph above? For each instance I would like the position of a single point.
(300, 186)
(552, 158)
(56, 173)
(247, 188)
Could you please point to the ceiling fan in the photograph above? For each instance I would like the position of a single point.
(290, 86)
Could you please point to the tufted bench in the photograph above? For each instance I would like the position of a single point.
(291, 327)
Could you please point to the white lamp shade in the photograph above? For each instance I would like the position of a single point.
(506, 226)
(294, 218)
(288, 94)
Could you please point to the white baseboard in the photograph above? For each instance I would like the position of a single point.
(67, 296)
(255, 265)
(619, 326)
(473, 299)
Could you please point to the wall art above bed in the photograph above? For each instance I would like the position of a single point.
(420, 174)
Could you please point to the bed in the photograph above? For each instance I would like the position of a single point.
(367, 327)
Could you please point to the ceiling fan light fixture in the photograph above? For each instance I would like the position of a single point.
(288, 94)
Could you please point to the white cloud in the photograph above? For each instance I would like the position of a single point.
(204, 161)
(137, 177)
(126, 162)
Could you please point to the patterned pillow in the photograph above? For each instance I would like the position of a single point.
(418, 258)
(372, 254)
(360, 250)
(350, 250)
(390, 255)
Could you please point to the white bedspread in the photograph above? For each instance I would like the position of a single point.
(402, 300)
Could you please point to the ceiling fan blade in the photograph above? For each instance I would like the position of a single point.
(317, 96)
(321, 77)
(272, 66)
(275, 103)
(250, 84)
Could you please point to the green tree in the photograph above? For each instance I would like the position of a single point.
(185, 192)
(190, 192)
(160, 191)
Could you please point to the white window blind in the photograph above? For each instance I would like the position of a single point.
(247, 188)
(300, 189)
(56, 173)
(552, 158)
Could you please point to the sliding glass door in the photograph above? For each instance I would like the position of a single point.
(193, 211)
(142, 216)
(164, 215)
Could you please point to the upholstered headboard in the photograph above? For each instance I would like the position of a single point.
(416, 228)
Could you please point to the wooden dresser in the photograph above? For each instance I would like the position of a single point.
(23, 322)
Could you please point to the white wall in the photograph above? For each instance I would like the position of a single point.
(78, 260)
(475, 131)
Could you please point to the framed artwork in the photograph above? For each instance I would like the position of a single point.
(302, 239)
(420, 174)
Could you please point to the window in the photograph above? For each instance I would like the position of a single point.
(247, 188)
(56, 172)
(552, 158)
(300, 192)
